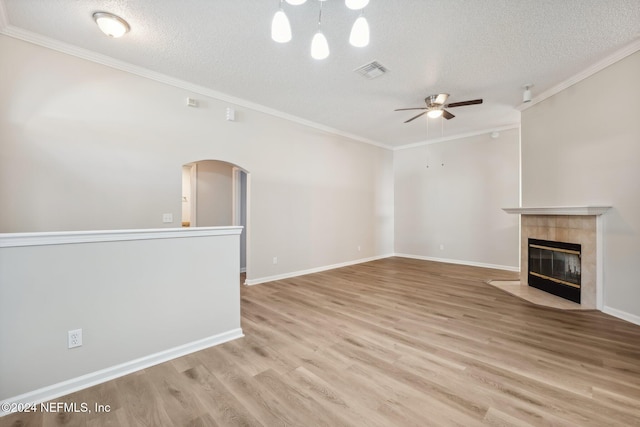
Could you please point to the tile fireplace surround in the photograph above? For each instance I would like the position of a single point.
(582, 225)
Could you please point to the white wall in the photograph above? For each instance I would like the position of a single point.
(582, 147)
(214, 200)
(85, 146)
(134, 295)
(186, 194)
(451, 193)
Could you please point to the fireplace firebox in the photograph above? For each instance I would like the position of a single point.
(554, 267)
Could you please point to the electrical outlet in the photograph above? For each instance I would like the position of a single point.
(442, 246)
(275, 259)
(74, 338)
(167, 218)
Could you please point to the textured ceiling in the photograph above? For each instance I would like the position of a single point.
(468, 48)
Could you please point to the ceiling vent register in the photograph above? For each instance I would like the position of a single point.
(371, 70)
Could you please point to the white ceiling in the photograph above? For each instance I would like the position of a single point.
(469, 48)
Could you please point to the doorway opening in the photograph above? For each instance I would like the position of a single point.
(216, 193)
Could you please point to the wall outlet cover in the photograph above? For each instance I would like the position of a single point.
(74, 338)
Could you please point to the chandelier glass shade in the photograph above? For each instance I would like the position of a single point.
(359, 36)
(280, 27)
(319, 46)
(356, 4)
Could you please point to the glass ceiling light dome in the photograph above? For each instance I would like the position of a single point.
(434, 114)
(319, 46)
(359, 36)
(110, 24)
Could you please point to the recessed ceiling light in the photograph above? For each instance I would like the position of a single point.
(110, 24)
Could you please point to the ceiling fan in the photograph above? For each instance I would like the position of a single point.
(436, 106)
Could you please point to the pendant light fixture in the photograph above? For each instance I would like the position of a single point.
(280, 27)
(358, 37)
(319, 44)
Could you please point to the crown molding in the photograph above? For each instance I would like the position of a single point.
(108, 61)
(459, 136)
(619, 55)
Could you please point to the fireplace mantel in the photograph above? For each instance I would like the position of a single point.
(559, 210)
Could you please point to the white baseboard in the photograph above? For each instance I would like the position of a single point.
(251, 282)
(456, 261)
(622, 315)
(69, 386)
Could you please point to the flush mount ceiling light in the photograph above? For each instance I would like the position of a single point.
(358, 37)
(110, 24)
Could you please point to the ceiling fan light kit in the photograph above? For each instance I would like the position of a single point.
(436, 107)
(358, 37)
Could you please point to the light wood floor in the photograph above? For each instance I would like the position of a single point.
(395, 342)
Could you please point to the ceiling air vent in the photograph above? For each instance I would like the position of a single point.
(371, 70)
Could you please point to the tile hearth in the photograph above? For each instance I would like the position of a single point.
(535, 296)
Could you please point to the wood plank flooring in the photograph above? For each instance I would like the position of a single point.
(394, 342)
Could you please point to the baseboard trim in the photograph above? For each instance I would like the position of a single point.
(69, 386)
(251, 282)
(460, 262)
(621, 315)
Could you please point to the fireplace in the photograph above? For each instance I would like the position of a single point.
(578, 224)
(555, 267)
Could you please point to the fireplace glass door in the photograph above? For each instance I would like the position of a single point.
(555, 267)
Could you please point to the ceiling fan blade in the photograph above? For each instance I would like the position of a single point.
(404, 109)
(415, 117)
(447, 115)
(460, 104)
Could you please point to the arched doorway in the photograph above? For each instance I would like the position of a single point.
(216, 193)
